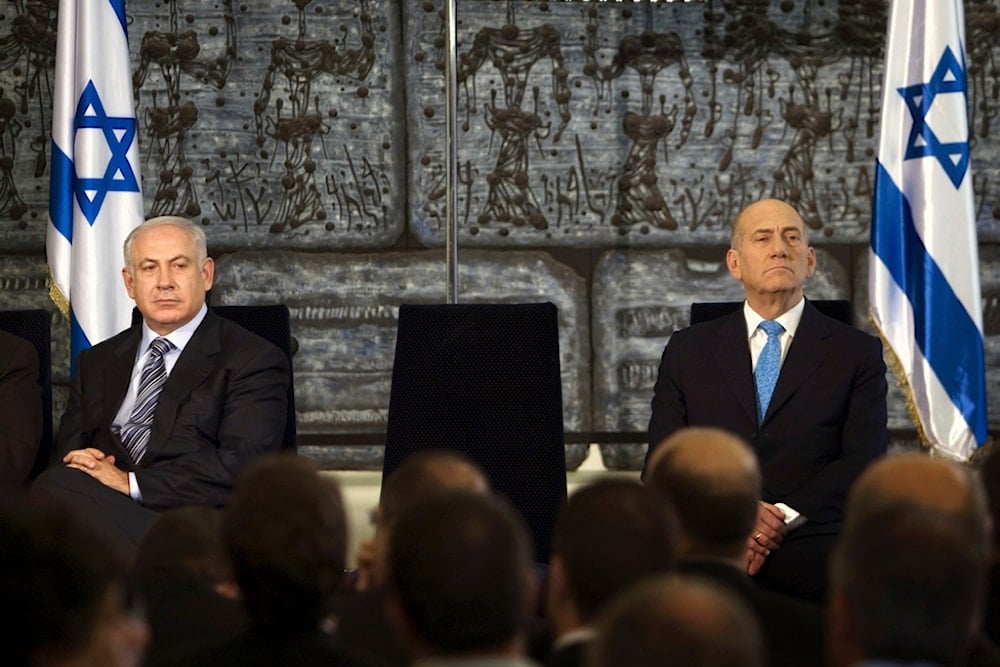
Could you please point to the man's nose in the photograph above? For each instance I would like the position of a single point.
(164, 280)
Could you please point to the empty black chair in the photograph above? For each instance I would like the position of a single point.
(484, 379)
(35, 326)
(271, 322)
(839, 309)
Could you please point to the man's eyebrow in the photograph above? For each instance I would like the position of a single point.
(170, 260)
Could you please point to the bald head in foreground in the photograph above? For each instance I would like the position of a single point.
(675, 620)
(908, 575)
(712, 480)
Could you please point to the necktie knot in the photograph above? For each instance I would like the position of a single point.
(159, 346)
(772, 328)
(766, 373)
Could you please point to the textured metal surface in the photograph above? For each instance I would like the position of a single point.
(344, 312)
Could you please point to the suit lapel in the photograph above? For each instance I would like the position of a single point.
(733, 356)
(808, 350)
(190, 370)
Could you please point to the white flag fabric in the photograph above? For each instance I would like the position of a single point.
(95, 195)
(924, 260)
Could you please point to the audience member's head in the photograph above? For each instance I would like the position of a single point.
(182, 576)
(286, 533)
(673, 620)
(905, 586)
(713, 481)
(608, 535)
(186, 538)
(65, 592)
(460, 575)
(423, 472)
(924, 482)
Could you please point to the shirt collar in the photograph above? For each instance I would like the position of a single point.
(789, 319)
(179, 337)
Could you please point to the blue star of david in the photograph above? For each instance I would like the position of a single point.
(948, 77)
(119, 133)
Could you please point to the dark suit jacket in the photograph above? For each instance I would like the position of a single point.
(826, 420)
(792, 630)
(20, 410)
(224, 403)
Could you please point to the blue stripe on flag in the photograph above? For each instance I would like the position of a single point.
(61, 193)
(78, 340)
(945, 334)
(119, 8)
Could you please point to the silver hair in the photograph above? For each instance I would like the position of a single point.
(196, 232)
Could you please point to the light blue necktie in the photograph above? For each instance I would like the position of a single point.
(135, 432)
(765, 376)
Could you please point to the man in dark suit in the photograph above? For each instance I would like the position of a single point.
(20, 411)
(826, 418)
(712, 480)
(224, 400)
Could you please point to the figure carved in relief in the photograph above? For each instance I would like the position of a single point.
(168, 121)
(639, 199)
(300, 62)
(750, 39)
(514, 52)
(983, 28)
(29, 51)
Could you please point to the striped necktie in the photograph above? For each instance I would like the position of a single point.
(135, 432)
(765, 375)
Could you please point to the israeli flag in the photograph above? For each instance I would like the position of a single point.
(924, 261)
(95, 193)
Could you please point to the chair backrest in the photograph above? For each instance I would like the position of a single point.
(484, 379)
(271, 322)
(35, 326)
(839, 309)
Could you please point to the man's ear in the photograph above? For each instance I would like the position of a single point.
(556, 583)
(733, 264)
(129, 282)
(208, 273)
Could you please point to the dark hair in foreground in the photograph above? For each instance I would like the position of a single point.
(286, 532)
(460, 567)
(55, 578)
(609, 534)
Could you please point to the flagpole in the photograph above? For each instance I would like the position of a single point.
(451, 149)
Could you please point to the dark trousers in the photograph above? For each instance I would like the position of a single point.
(123, 520)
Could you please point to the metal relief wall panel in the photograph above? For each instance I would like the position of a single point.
(274, 123)
(344, 316)
(652, 124)
(639, 299)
